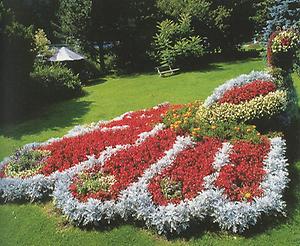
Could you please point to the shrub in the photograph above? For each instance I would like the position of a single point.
(174, 42)
(41, 43)
(56, 81)
(86, 69)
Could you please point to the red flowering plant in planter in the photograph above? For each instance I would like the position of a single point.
(281, 48)
(121, 169)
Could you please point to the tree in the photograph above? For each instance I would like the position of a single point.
(174, 41)
(16, 63)
(128, 25)
(39, 13)
(194, 8)
(226, 24)
(262, 14)
(284, 14)
(73, 22)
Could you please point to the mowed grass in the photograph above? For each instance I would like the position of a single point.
(41, 224)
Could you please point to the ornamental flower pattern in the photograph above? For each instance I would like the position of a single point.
(164, 174)
(126, 166)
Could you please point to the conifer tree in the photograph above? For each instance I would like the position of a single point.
(284, 14)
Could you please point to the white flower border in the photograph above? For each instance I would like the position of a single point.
(239, 216)
(39, 186)
(240, 80)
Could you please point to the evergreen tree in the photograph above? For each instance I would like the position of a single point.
(284, 14)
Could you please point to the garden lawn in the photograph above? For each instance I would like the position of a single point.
(41, 224)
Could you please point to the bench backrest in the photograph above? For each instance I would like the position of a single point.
(164, 67)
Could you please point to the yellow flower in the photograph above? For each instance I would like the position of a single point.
(249, 130)
(247, 195)
(213, 127)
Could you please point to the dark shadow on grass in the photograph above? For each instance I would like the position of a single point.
(205, 68)
(198, 68)
(93, 82)
(44, 200)
(58, 115)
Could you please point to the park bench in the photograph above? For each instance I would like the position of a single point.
(166, 70)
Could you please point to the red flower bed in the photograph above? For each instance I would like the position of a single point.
(147, 116)
(247, 92)
(242, 177)
(70, 151)
(184, 178)
(127, 165)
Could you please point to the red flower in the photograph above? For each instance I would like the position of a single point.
(129, 164)
(69, 152)
(189, 169)
(242, 177)
(247, 92)
(285, 42)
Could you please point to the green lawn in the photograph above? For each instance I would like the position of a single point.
(40, 224)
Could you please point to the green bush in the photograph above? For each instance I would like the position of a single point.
(55, 81)
(174, 42)
(297, 63)
(86, 69)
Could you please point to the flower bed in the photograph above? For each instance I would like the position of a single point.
(95, 210)
(242, 177)
(239, 81)
(185, 178)
(167, 166)
(247, 92)
(260, 107)
(173, 214)
(121, 169)
(75, 151)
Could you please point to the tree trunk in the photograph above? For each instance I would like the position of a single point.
(101, 56)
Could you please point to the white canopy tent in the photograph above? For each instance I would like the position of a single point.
(64, 54)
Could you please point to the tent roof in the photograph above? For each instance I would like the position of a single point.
(65, 54)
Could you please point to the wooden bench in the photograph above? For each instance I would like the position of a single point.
(166, 70)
